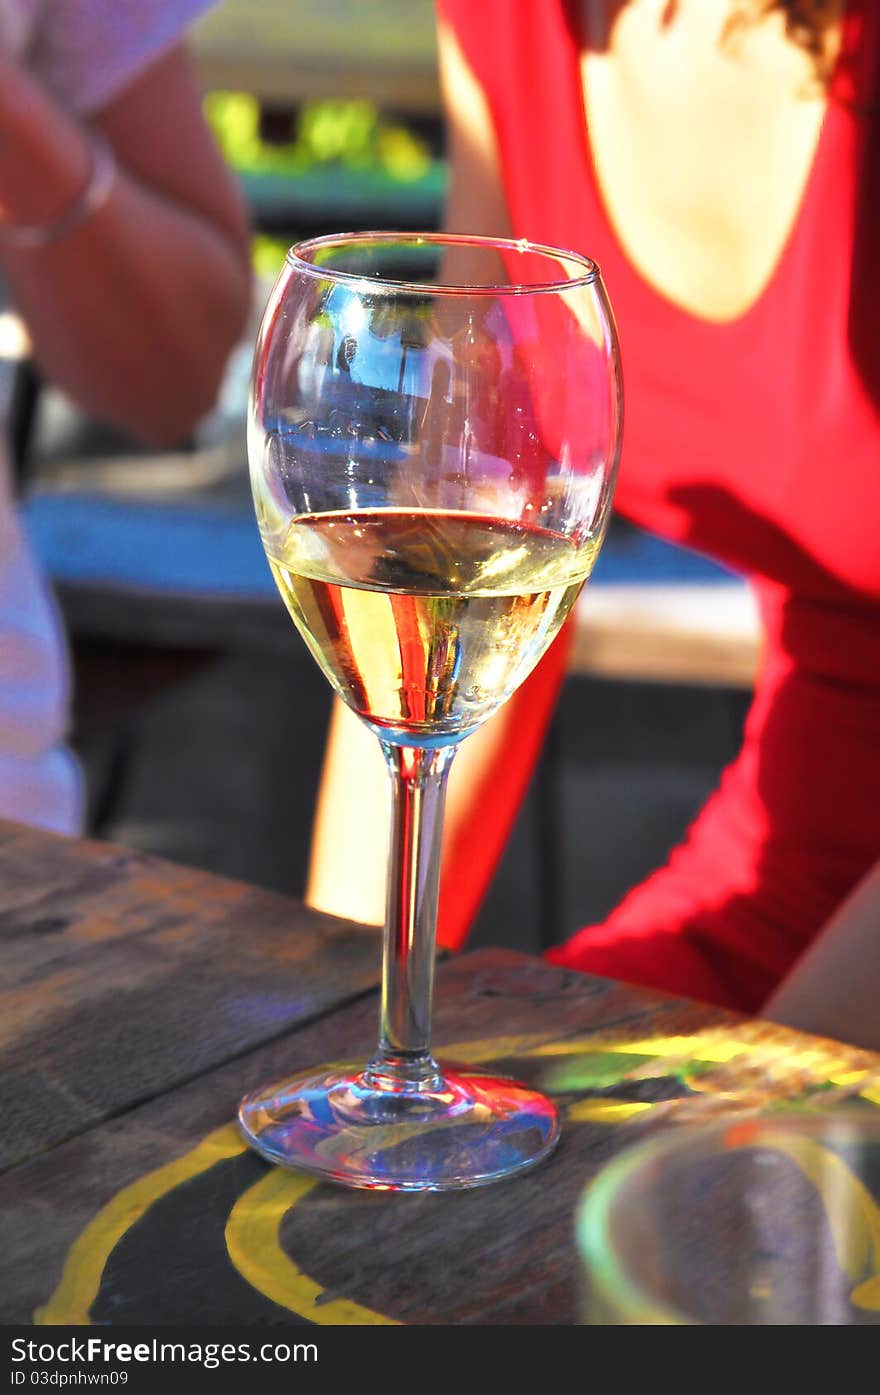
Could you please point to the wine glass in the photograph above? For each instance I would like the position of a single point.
(433, 437)
(747, 1220)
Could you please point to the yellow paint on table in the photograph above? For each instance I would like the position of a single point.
(81, 1277)
(253, 1226)
(252, 1239)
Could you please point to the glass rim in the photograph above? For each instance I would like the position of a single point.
(606, 1272)
(299, 254)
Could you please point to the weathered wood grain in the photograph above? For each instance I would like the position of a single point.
(615, 1058)
(123, 975)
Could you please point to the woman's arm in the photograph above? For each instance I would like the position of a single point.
(135, 310)
(834, 989)
(492, 768)
(349, 855)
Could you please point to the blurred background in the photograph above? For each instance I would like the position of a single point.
(199, 715)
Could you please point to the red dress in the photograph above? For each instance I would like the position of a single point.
(756, 441)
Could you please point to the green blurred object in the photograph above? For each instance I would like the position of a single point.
(348, 132)
(267, 255)
(344, 165)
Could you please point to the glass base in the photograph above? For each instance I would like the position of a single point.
(465, 1131)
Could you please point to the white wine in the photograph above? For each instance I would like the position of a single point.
(425, 621)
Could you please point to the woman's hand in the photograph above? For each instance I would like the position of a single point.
(45, 163)
(834, 989)
(135, 309)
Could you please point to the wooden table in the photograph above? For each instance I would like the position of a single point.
(140, 999)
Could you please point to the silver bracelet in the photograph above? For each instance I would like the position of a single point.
(93, 197)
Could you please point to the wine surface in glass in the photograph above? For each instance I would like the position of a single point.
(424, 620)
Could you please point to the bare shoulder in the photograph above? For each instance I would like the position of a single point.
(832, 990)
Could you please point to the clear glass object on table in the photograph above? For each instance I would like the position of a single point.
(769, 1220)
(433, 437)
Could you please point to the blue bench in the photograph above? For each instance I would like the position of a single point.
(193, 574)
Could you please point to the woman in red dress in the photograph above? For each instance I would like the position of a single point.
(721, 162)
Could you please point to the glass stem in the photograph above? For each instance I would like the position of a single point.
(403, 1060)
